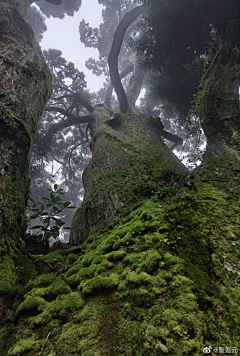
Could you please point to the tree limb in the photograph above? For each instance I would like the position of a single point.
(176, 139)
(54, 2)
(123, 74)
(72, 120)
(82, 100)
(78, 97)
(126, 21)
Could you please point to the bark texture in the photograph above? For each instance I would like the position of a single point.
(128, 159)
(25, 86)
(220, 105)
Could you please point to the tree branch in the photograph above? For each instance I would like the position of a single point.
(126, 21)
(82, 100)
(54, 2)
(176, 139)
(123, 74)
(66, 123)
(78, 97)
(72, 120)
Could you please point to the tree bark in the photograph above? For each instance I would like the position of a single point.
(25, 87)
(220, 104)
(124, 147)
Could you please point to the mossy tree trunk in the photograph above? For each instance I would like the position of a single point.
(129, 159)
(25, 87)
(157, 269)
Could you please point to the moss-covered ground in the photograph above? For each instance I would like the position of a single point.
(162, 278)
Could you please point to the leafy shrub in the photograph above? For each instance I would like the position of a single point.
(50, 213)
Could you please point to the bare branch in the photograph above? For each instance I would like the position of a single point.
(78, 97)
(126, 21)
(176, 139)
(72, 120)
(123, 74)
(63, 97)
(82, 100)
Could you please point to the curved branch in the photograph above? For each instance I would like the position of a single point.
(126, 21)
(66, 123)
(176, 139)
(72, 120)
(67, 113)
(79, 97)
(82, 100)
(123, 74)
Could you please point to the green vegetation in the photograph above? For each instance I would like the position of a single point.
(127, 291)
(49, 214)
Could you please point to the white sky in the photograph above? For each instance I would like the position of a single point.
(64, 36)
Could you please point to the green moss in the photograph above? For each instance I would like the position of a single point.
(24, 346)
(96, 283)
(140, 278)
(31, 303)
(7, 275)
(147, 297)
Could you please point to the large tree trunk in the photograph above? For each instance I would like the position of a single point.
(129, 159)
(25, 86)
(159, 271)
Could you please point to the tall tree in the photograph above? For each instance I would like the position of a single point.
(24, 90)
(155, 269)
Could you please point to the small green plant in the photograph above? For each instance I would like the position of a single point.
(50, 213)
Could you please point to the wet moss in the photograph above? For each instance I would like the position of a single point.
(136, 288)
(7, 275)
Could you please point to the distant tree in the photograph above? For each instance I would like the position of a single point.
(174, 42)
(44, 9)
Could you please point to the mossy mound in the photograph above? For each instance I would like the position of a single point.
(161, 279)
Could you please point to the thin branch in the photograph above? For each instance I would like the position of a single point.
(78, 97)
(63, 97)
(72, 120)
(82, 100)
(123, 74)
(126, 21)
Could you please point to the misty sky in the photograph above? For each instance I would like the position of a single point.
(64, 36)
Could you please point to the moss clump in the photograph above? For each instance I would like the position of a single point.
(27, 345)
(96, 283)
(155, 295)
(7, 275)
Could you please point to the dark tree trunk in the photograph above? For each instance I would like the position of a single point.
(220, 104)
(25, 87)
